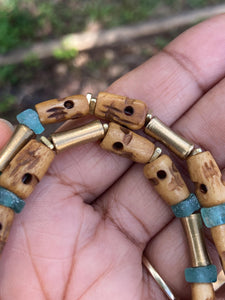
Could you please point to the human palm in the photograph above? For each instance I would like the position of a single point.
(84, 229)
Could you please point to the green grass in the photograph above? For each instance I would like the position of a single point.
(114, 13)
(8, 74)
(23, 22)
(14, 74)
(7, 101)
(65, 54)
(17, 28)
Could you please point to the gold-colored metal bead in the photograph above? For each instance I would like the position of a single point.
(148, 118)
(89, 96)
(106, 127)
(19, 139)
(196, 151)
(46, 142)
(158, 130)
(194, 231)
(156, 154)
(91, 132)
(92, 103)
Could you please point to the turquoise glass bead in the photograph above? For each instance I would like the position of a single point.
(9, 199)
(186, 207)
(213, 216)
(205, 274)
(31, 119)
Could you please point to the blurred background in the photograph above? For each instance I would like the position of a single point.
(52, 49)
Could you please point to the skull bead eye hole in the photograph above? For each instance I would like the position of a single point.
(128, 110)
(118, 146)
(203, 188)
(27, 178)
(161, 174)
(69, 104)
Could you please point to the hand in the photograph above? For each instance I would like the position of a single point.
(64, 249)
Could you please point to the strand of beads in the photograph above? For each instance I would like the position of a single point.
(170, 186)
(24, 161)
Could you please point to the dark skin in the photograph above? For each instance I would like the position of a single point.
(62, 248)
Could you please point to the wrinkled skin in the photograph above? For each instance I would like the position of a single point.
(62, 248)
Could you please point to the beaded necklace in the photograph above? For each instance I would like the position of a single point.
(25, 160)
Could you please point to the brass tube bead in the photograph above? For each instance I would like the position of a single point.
(158, 130)
(194, 231)
(92, 103)
(19, 139)
(91, 132)
(46, 142)
(157, 153)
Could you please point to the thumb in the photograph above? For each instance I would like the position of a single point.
(6, 130)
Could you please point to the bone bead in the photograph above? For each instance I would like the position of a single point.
(202, 291)
(204, 172)
(6, 220)
(58, 110)
(125, 142)
(123, 110)
(167, 180)
(218, 235)
(26, 169)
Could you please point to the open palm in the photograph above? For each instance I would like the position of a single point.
(84, 229)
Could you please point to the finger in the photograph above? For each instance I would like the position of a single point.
(174, 79)
(6, 130)
(204, 122)
(168, 84)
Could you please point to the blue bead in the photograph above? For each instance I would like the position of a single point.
(205, 274)
(213, 216)
(9, 199)
(186, 207)
(31, 119)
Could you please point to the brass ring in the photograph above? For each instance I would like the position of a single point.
(161, 283)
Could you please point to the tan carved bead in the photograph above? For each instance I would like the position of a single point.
(27, 168)
(58, 110)
(6, 220)
(202, 291)
(125, 142)
(123, 110)
(218, 235)
(204, 172)
(167, 180)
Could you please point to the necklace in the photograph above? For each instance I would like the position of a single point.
(25, 160)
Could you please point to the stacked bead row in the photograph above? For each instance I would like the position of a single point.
(24, 161)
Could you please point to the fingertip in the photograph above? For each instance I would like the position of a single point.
(6, 130)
